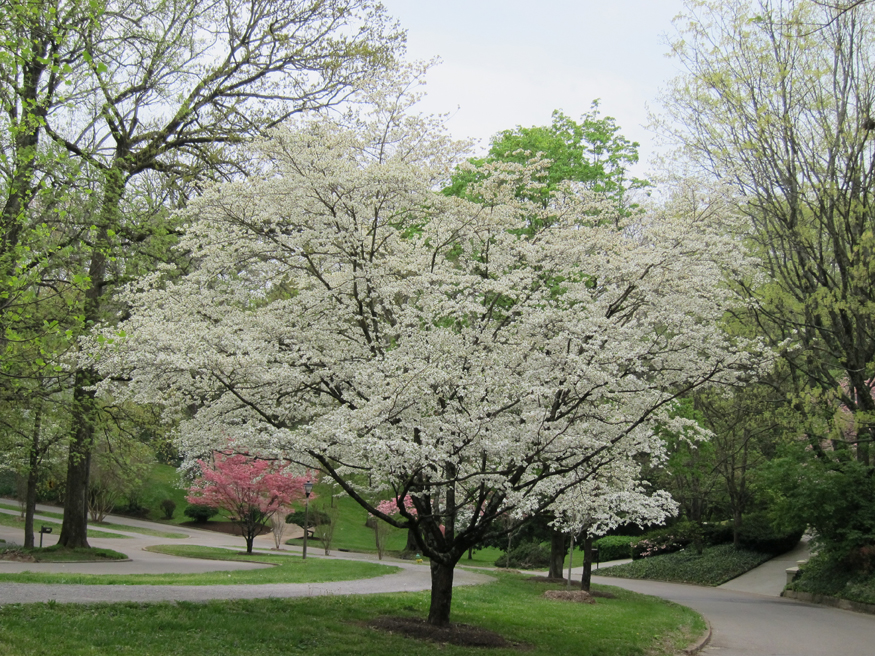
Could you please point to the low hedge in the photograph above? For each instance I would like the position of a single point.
(758, 534)
(315, 518)
(614, 547)
(529, 555)
(715, 565)
(200, 513)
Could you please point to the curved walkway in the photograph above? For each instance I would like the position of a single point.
(411, 578)
(747, 616)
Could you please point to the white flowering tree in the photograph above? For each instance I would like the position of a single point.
(343, 315)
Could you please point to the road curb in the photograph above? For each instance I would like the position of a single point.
(833, 602)
(703, 640)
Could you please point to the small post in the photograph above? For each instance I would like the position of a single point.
(42, 531)
(570, 558)
(308, 488)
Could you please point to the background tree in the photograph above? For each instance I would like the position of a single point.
(158, 96)
(342, 314)
(780, 112)
(250, 490)
(756, 110)
(590, 152)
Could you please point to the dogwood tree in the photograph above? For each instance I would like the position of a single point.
(251, 490)
(342, 313)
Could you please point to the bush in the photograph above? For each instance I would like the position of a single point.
(661, 541)
(529, 555)
(200, 513)
(168, 507)
(133, 508)
(715, 533)
(316, 518)
(758, 534)
(614, 547)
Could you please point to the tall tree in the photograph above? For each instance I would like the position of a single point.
(403, 342)
(164, 91)
(782, 115)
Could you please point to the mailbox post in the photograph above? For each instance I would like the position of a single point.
(42, 531)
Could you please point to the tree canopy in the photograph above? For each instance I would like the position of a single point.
(342, 314)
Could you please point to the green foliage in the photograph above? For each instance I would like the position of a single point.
(614, 547)
(168, 507)
(834, 495)
(758, 533)
(59, 554)
(200, 513)
(528, 555)
(590, 152)
(715, 565)
(315, 518)
(822, 575)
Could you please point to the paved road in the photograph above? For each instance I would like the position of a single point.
(747, 624)
(412, 577)
(747, 616)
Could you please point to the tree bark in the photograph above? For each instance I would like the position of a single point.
(32, 478)
(586, 577)
(441, 593)
(558, 549)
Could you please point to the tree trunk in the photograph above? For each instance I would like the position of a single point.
(736, 529)
(586, 577)
(411, 545)
(74, 528)
(441, 593)
(558, 549)
(32, 478)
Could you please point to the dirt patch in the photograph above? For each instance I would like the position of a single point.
(574, 585)
(462, 635)
(221, 527)
(578, 596)
(17, 556)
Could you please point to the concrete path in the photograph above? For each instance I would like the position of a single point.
(749, 618)
(412, 577)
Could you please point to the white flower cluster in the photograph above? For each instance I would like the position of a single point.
(343, 314)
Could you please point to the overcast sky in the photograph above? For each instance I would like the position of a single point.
(512, 62)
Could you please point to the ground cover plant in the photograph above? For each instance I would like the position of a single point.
(59, 554)
(826, 577)
(286, 569)
(11, 520)
(715, 565)
(121, 527)
(512, 607)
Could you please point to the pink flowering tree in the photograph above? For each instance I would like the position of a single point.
(393, 507)
(249, 489)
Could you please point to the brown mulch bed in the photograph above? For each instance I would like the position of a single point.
(221, 527)
(578, 596)
(575, 585)
(462, 635)
(17, 556)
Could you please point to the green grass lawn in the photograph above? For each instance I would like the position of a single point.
(15, 521)
(120, 527)
(630, 625)
(287, 569)
(59, 554)
(714, 566)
